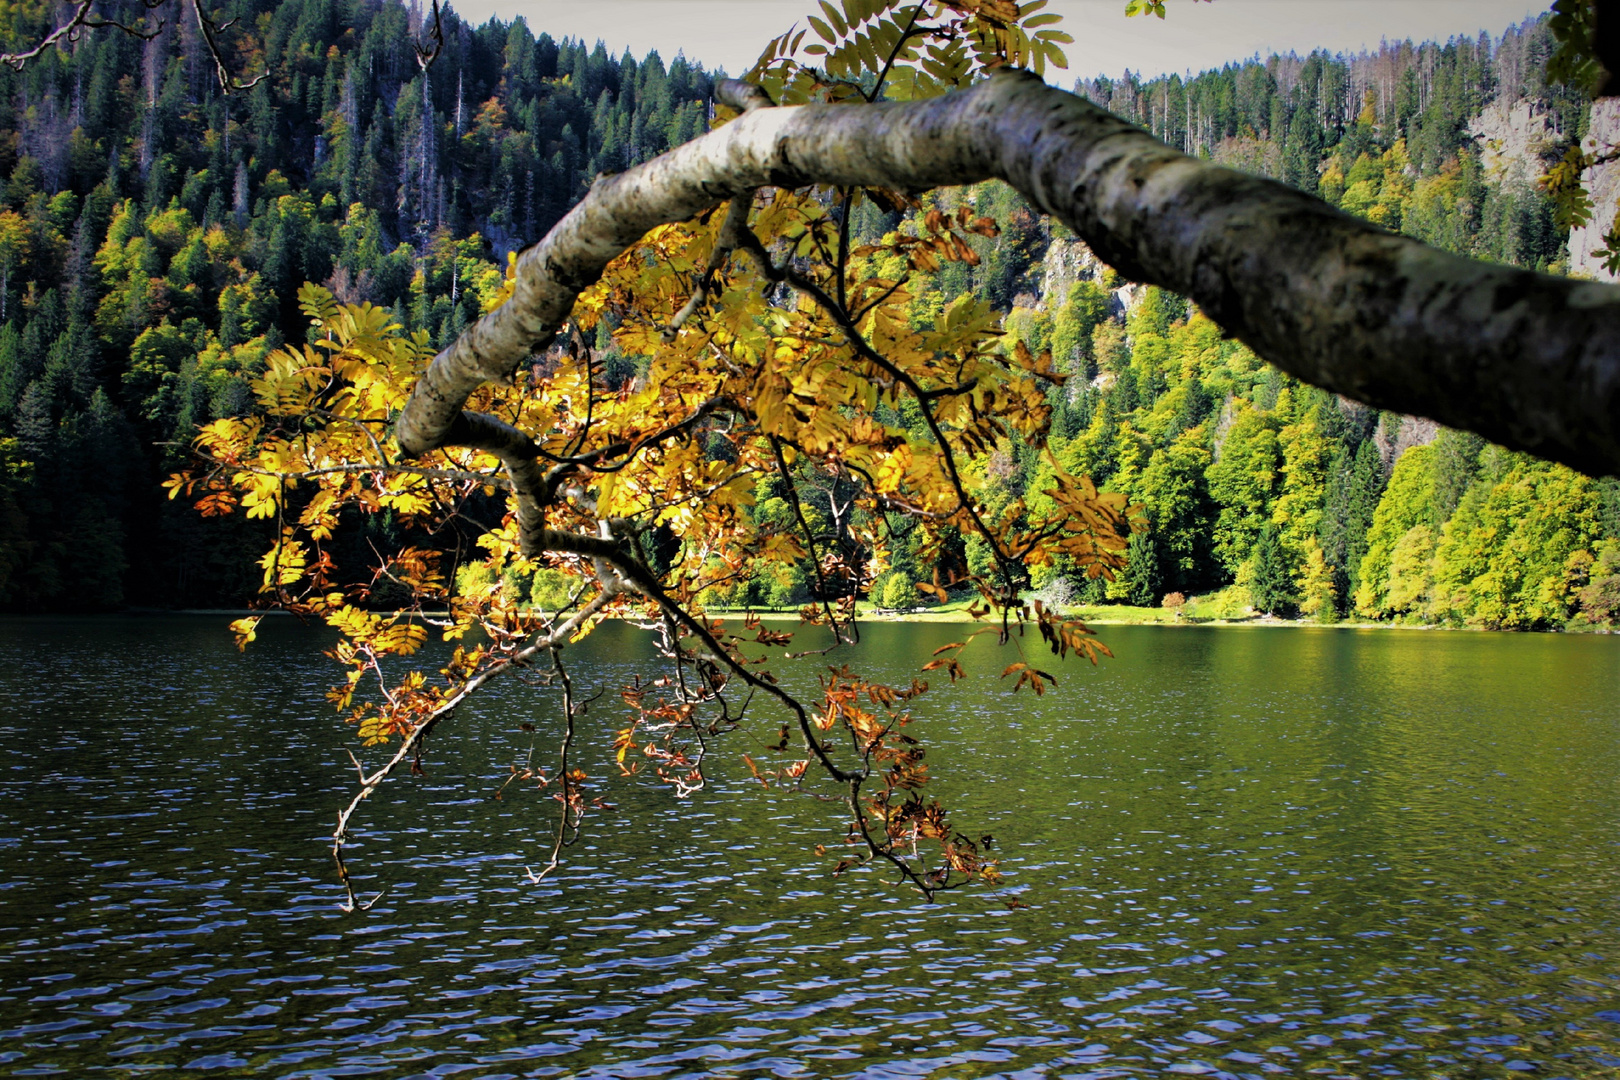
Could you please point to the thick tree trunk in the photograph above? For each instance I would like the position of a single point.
(1528, 360)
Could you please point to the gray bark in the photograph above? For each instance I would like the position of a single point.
(1528, 360)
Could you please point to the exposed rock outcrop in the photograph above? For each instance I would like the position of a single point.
(1513, 138)
(1603, 184)
(1396, 435)
(1067, 261)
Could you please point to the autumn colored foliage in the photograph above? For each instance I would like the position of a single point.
(779, 357)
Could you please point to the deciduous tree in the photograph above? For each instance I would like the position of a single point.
(727, 262)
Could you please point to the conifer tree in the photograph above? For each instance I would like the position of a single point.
(1271, 589)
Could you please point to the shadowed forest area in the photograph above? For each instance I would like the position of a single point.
(154, 233)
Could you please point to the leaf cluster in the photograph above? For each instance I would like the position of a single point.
(868, 49)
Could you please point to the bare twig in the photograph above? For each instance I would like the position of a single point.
(736, 221)
(569, 817)
(210, 31)
(412, 742)
(426, 55)
(79, 21)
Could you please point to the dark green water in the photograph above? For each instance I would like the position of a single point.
(1244, 851)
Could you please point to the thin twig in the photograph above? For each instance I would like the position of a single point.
(725, 242)
(568, 821)
(78, 22)
(426, 56)
(413, 739)
(210, 31)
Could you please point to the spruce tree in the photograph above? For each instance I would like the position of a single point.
(1367, 484)
(1271, 592)
(1142, 571)
(12, 376)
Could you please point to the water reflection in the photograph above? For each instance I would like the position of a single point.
(1244, 852)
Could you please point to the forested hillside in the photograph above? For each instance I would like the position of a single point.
(1265, 493)
(1307, 503)
(153, 234)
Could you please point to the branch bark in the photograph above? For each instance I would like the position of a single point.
(1528, 360)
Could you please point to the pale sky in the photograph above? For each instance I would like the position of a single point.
(1195, 36)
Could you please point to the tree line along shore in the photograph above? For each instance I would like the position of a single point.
(153, 235)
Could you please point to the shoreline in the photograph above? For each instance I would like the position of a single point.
(1099, 616)
(954, 613)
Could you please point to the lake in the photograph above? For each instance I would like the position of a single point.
(1241, 851)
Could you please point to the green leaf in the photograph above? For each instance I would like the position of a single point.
(835, 18)
(868, 54)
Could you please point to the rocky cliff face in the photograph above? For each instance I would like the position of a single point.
(1603, 184)
(1069, 261)
(1513, 138)
(1396, 438)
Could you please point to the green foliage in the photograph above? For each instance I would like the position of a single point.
(1141, 578)
(1600, 596)
(1227, 604)
(900, 592)
(1511, 552)
(1573, 62)
(1245, 482)
(1084, 309)
(550, 590)
(1270, 585)
(1174, 492)
(1503, 561)
(1407, 506)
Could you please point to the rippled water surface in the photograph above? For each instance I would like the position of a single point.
(1242, 851)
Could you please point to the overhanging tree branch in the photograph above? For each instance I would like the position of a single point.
(1528, 360)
